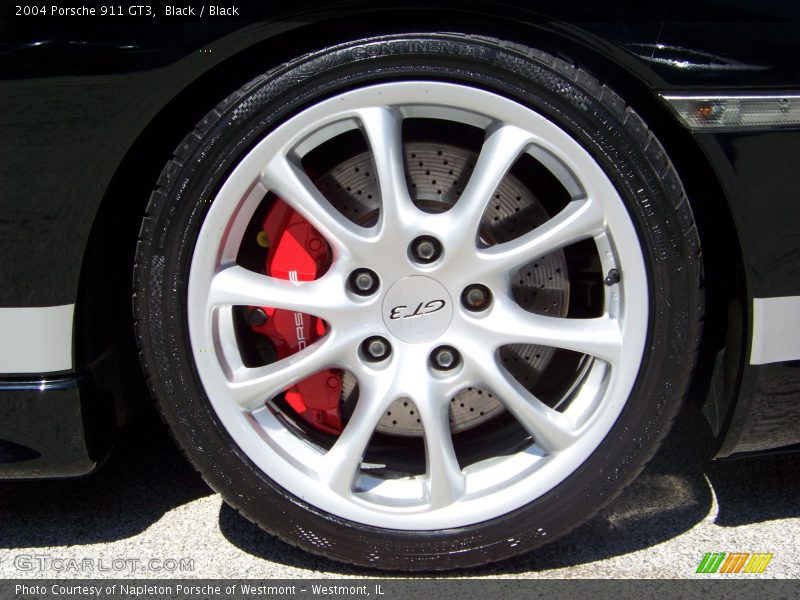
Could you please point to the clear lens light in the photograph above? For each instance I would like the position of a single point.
(735, 112)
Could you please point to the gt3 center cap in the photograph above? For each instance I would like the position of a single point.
(417, 309)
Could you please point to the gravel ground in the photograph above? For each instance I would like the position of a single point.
(147, 503)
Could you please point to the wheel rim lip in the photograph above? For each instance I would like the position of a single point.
(531, 474)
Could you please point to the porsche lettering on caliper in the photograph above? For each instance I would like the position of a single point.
(297, 252)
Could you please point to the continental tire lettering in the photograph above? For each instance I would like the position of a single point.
(417, 47)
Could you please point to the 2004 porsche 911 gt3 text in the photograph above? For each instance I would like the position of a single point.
(408, 296)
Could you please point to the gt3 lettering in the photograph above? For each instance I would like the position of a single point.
(423, 308)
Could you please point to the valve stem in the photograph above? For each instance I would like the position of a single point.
(612, 278)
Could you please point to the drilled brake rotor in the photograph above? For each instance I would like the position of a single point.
(436, 174)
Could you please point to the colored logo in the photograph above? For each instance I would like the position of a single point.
(734, 562)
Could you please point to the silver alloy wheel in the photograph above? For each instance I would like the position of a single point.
(447, 495)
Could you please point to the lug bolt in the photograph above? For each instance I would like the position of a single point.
(445, 358)
(363, 282)
(257, 317)
(476, 297)
(425, 249)
(376, 348)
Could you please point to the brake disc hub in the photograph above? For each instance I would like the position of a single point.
(416, 308)
(436, 174)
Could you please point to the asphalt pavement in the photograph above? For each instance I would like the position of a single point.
(148, 514)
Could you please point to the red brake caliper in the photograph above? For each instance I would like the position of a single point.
(297, 252)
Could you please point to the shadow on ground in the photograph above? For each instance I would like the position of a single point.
(670, 497)
(147, 477)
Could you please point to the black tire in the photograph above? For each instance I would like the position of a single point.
(581, 105)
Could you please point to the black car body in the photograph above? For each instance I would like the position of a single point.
(91, 108)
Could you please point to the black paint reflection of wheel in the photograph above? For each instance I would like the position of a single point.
(419, 302)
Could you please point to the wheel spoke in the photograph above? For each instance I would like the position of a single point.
(445, 481)
(500, 150)
(383, 129)
(235, 285)
(550, 429)
(289, 182)
(341, 463)
(252, 387)
(508, 323)
(579, 220)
